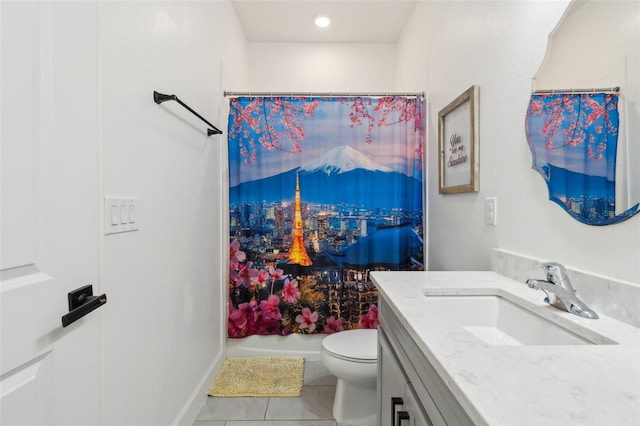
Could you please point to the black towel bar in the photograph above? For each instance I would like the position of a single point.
(160, 98)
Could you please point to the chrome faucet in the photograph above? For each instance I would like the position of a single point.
(560, 292)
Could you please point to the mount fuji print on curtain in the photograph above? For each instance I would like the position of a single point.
(322, 191)
(337, 176)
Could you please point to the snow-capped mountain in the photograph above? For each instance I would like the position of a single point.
(342, 159)
(342, 175)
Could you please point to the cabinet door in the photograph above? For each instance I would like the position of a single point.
(417, 416)
(391, 382)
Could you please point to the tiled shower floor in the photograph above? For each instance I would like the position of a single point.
(312, 408)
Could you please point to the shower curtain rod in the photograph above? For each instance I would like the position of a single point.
(579, 91)
(323, 94)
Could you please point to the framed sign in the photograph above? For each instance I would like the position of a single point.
(458, 144)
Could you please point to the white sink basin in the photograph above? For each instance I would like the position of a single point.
(496, 320)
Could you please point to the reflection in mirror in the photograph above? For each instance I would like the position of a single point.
(583, 123)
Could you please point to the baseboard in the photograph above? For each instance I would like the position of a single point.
(195, 402)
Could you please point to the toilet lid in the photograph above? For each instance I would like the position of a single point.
(354, 344)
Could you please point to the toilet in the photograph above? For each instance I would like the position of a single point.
(351, 356)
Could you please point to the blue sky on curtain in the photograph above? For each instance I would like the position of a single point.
(573, 138)
(322, 191)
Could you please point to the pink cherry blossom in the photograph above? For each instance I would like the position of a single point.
(568, 118)
(235, 255)
(307, 320)
(276, 274)
(277, 121)
(268, 327)
(370, 319)
(245, 274)
(270, 309)
(290, 291)
(243, 320)
(263, 274)
(333, 325)
(233, 274)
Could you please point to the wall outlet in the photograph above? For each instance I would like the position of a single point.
(490, 210)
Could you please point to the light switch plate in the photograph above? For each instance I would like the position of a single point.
(490, 210)
(121, 214)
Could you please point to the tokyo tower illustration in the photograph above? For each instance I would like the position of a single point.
(298, 254)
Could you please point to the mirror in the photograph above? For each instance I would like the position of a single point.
(583, 123)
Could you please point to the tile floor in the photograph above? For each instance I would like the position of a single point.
(312, 408)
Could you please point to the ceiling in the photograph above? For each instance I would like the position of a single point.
(352, 21)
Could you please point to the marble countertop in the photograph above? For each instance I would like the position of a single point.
(595, 384)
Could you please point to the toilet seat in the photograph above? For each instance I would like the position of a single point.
(353, 345)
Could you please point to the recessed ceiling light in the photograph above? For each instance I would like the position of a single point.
(322, 22)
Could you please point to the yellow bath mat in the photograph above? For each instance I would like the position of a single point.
(261, 377)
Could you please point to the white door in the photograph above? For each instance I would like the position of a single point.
(49, 212)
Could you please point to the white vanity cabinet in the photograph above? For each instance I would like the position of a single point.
(398, 405)
(410, 392)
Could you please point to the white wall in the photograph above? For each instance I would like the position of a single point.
(164, 329)
(447, 47)
(321, 67)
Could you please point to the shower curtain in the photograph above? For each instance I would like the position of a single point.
(322, 191)
(573, 138)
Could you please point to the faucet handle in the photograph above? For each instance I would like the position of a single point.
(557, 274)
(554, 268)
